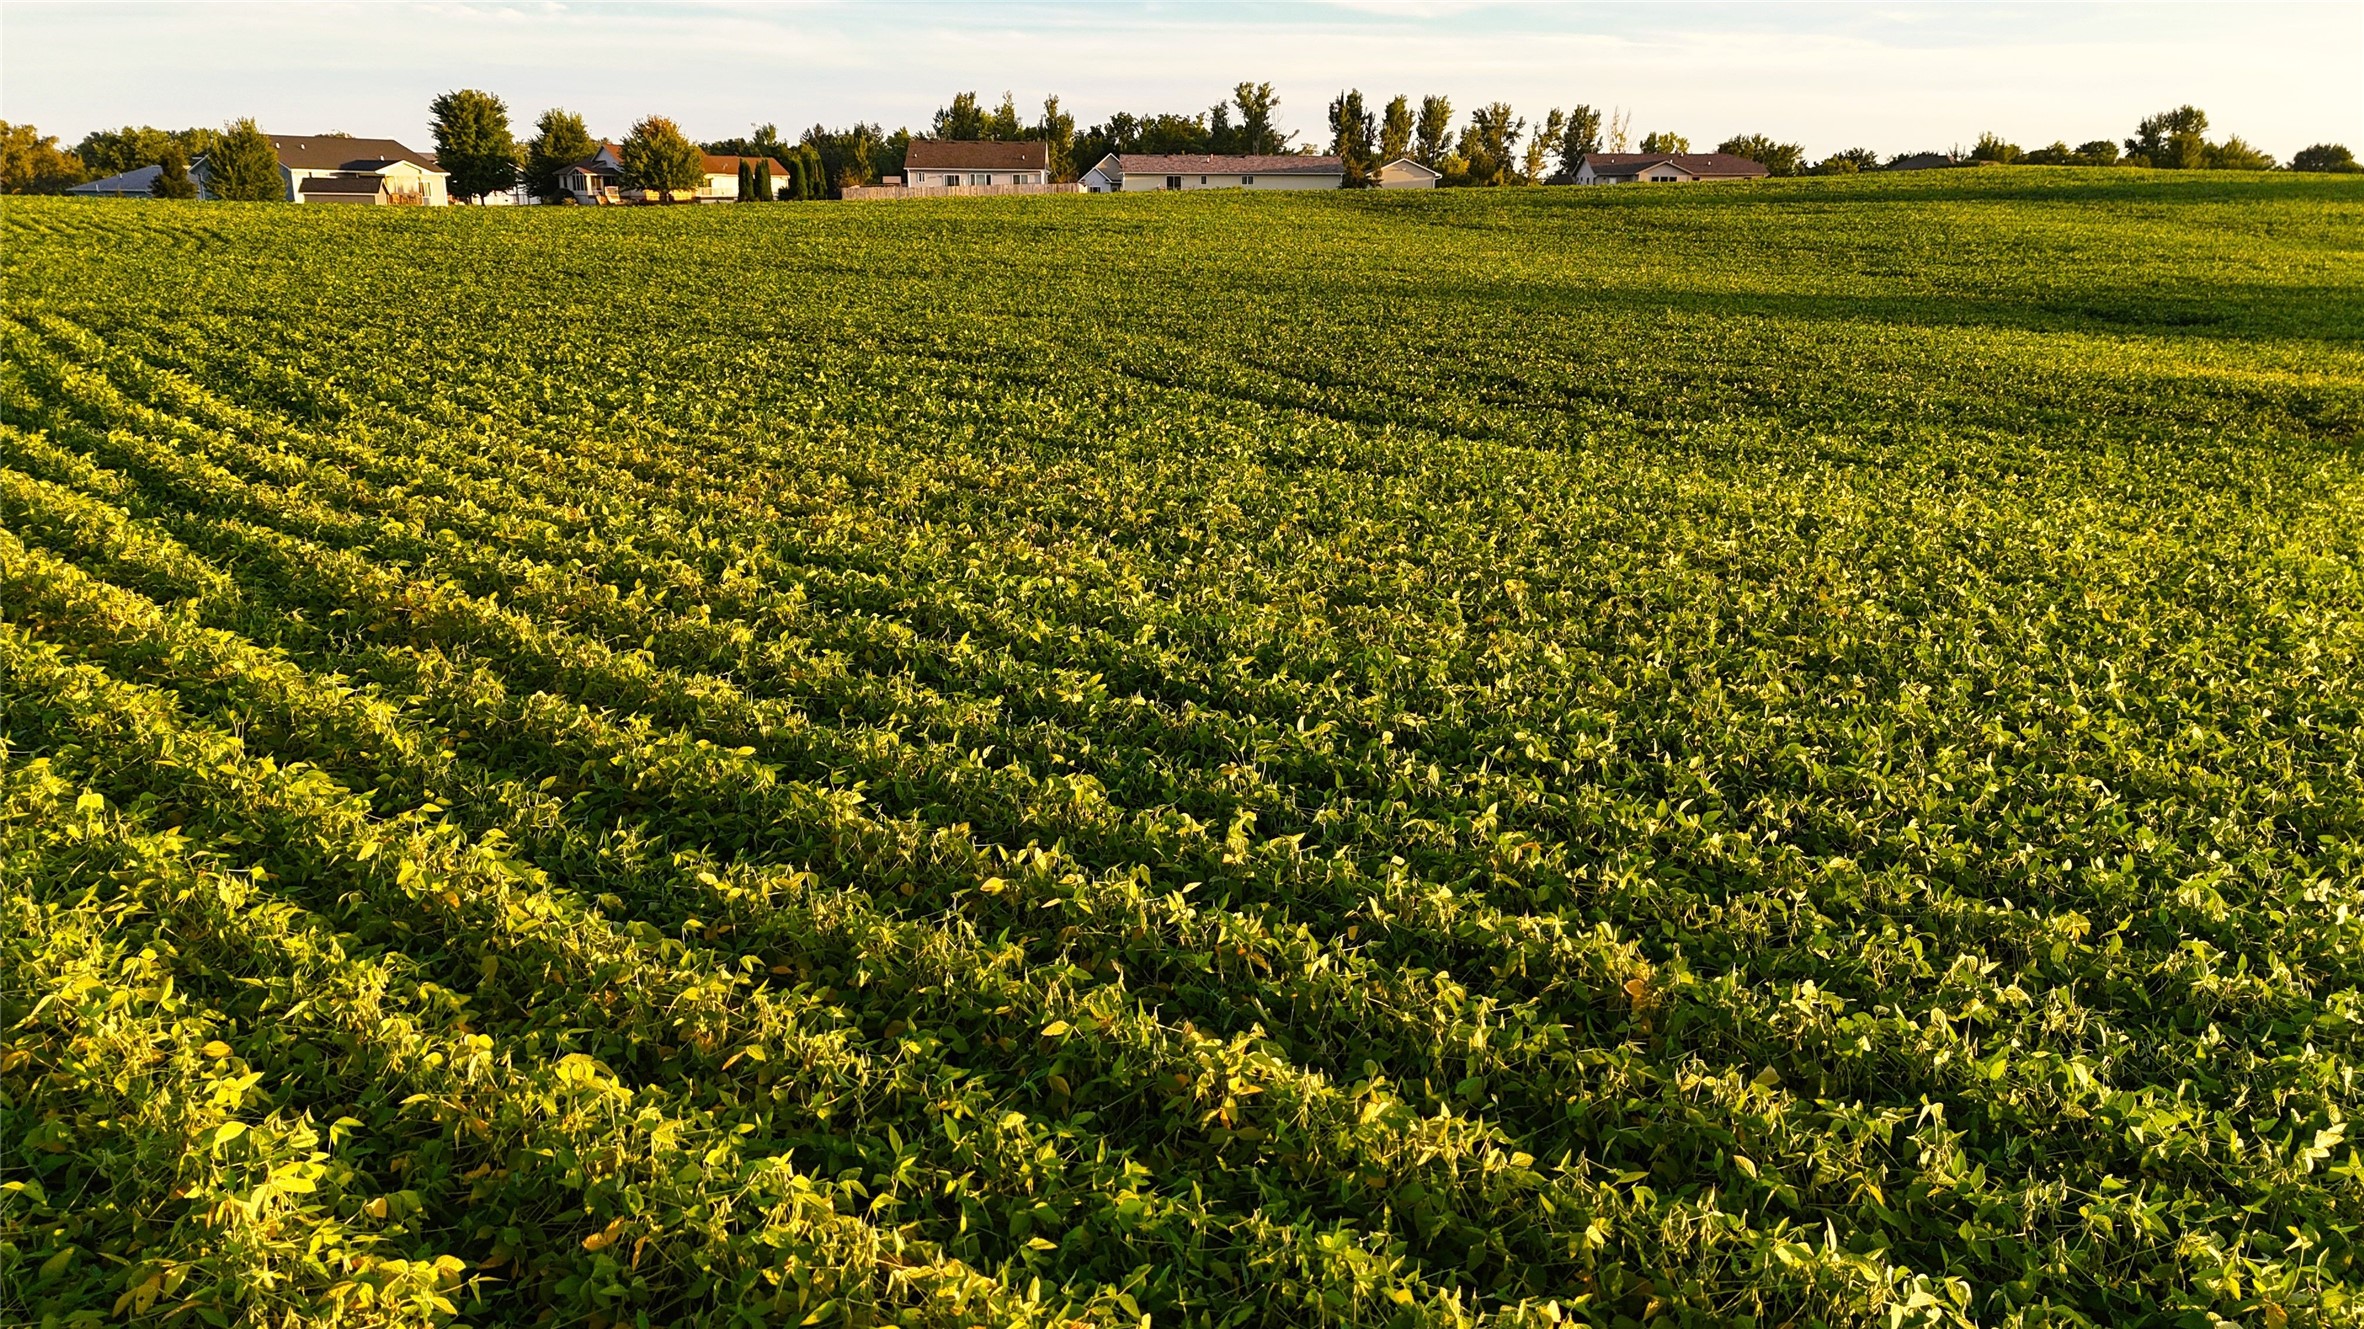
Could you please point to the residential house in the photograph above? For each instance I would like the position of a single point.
(1404, 173)
(139, 182)
(935, 163)
(599, 178)
(403, 176)
(1668, 168)
(1119, 172)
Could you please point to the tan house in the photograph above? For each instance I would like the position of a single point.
(402, 175)
(374, 170)
(1665, 168)
(935, 163)
(1404, 173)
(1121, 172)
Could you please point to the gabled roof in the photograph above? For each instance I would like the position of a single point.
(605, 159)
(1430, 172)
(138, 180)
(943, 154)
(1702, 164)
(1204, 163)
(314, 153)
(730, 165)
(345, 184)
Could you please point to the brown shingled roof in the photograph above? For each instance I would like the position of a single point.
(315, 153)
(345, 184)
(943, 154)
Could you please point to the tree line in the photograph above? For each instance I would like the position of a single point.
(479, 150)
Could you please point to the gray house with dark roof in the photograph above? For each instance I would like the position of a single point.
(1670, 168)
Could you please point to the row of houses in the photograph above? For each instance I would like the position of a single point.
(932, 165)
(338, 169)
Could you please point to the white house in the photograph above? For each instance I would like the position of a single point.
(401, 175)
(935, 163)
(139, 182)
(1666, 168)
(1404, 173)
(1119, 172)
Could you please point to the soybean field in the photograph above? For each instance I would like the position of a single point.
(1763, 755)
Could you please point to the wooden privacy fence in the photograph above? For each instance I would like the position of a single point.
(867, 193)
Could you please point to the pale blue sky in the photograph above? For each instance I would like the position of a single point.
(1894, 77)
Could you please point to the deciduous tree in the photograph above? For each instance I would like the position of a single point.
(1257, 102)
(962, 121)
(1665, 141)
(473, 144)
(560, 140)
(1994, 148)
(31, 162)
(1490, 144)
(2325, 157)
(172, 176)
(1848, 162)
(1579, 138)
(1776, 157)
(1056, 129)
(2171, 140)
(1540, 145)
(658, 157)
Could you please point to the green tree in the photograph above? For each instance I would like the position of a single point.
(963, 120)
(1434, 133)
(1490, 144)
(32, 163)
(2329, 158)
(473, 143)
(114, 151)
(1579, 138)
(1776, 157)
(2238, 154)
(1993, 148)
(2171, 140)
(1353, 137)
(2097, 152)
(1665, 142)
(1541, 145)
(1257, 102)
(658, 157)
(1847, 162)
(244, 167)
(746, 192)
(1395, 130)
(560, 140)
(765, 190)
(1056, 129)
(1002, 126)
(172, 175)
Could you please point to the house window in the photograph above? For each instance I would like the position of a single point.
(952, 179)
(980, 179)
(1173, 182)
(1246, 180)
